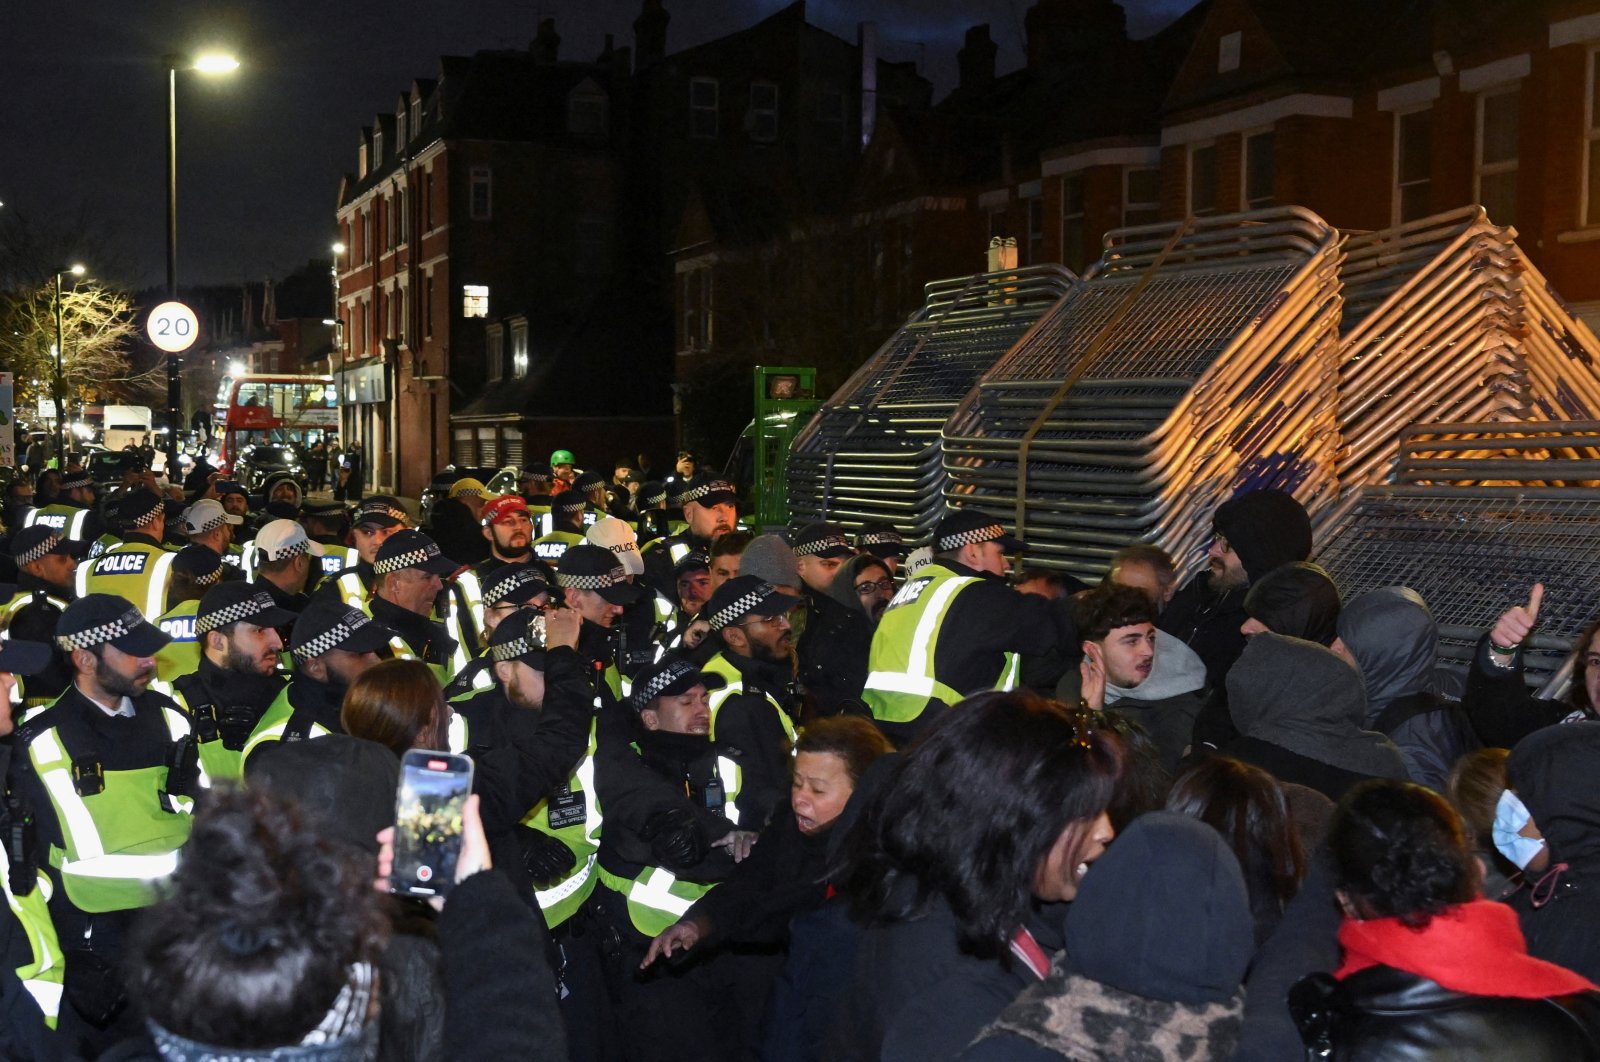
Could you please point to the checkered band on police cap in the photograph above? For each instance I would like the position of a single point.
(570, 501)
(48, 543)
(645, 692)
(821, 545)
(75, 480)
(120, 627)
(517, 577)
(296, 548)
(341, 631)
(411, 558)
(515, 649)
(253, 605)
(616, 575)
(711, 486)
(735, 609)
(883, 538)
(655, 497)
(536, 475)
(146, 517)
(987, 533)
(211, 524)
(378, 508)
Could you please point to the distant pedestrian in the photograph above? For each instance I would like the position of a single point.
(319, 465)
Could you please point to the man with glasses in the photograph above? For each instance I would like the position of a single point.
(752, 712)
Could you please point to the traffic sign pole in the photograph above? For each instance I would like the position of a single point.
(173, 327)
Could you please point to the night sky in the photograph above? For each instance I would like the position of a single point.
(260, 152)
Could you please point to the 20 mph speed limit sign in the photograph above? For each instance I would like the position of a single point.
(173, 327)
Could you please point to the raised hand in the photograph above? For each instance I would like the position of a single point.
(1516, 623)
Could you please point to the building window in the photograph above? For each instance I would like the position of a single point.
(762, 120)
(427, 306)
(416, 114)
(400, 329)
(1074, 223)
(703, 108)
(1413, 165)
(474, 300)
(1495, 167)
(1035, 205)
(463, 451)
(695, 310)
(377, 147)
(481, 194)
(494, 351)
(393, 233)
(1591, 147)
(400, 218)
(1203, 180)
(519, 350)
(1141, 195)
(427, 201)
(1260, 168)
(366, 235)
(999, 223)
(588, 111)
(400, 128)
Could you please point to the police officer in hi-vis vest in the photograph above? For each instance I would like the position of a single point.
(956, 628)
(113, 775)
(72, 512)
(137, 567)
(710, 508)
(46, 565)
(408, 577)
(375, 520)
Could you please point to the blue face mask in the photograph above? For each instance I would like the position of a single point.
(1510, 816)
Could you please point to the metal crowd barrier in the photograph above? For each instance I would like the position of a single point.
(873, 451)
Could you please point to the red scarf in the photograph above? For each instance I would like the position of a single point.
(1476, 949)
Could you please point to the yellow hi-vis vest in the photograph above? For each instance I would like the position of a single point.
(135, 571)
(117, 843)
(181, 656)
(68, 520)
(41, 975)
(732, 773)
(900, 665)
(572, 816)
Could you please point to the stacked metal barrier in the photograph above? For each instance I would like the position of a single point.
(1481, 513)
(1446, 320)
(1194, 360)
(872, 453)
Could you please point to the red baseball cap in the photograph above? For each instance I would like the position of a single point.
(502, 507)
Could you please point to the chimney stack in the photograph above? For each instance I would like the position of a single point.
(650, 33)
(547, 43)
(976, 58)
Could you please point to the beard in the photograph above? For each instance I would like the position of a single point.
(243, 663)
(119, 685)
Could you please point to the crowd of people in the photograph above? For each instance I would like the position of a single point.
(821, 794)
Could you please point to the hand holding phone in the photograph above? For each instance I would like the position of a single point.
(427, 854)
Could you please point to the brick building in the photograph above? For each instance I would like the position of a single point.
(487, 294)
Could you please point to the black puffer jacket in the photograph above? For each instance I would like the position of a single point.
(834, 646)
(1386, 1015)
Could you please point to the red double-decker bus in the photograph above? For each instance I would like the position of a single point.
(265, 409)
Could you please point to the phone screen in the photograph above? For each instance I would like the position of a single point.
(427, 822)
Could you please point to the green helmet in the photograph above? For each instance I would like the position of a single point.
(560, 457)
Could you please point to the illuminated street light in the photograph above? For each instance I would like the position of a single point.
(208, 63)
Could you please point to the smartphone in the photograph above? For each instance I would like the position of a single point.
(427, 822)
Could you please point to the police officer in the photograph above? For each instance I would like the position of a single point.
(195, 569)
(409, 573)
(884, 542)
(648, 620)
(592, 485)
(136, 568)
(28, 942)
(533, 486)
(327, 523)
(331, 644)
(72, 512)
(508, 590)
(955, 628)
(650, 521)
(595, 584)
(113, 773)
(751, 711)
(46, 563)
(375, 520)
(819, 550)
(566, 527)
(237, 680)
(662, 848)
(508, 534)
(207, 523)
(285, 561)
(710, 508)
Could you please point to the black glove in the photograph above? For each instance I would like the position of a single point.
(547, 858)
(674, 838)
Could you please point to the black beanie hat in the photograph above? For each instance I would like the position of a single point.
(1266, 528)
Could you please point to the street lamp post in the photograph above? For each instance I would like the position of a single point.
(205, 64)
(58, 385)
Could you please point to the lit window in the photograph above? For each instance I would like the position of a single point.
(1496, 163)
(1074, 223)
(762, 121)
(1413, 165)
(519, 350)
(1260, 168)
(1591, 146)
(474, 300)
(481, 193)
(588, 111)
(1141, 195)
(1203, 180)
(703, 120)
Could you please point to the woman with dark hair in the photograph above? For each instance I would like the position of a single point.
(1247, 806)
(1430, 970)
(1000, 807)
(399, 705)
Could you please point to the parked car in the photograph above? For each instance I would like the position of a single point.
(495, 481)
(258, 463)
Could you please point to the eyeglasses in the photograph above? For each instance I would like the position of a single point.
(753, 620)
(868, 589)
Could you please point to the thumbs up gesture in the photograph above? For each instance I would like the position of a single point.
(1516, 623)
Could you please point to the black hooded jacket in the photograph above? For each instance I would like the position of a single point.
(834, 646)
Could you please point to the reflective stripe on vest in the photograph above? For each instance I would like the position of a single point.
(561, 900)
(656, 898)
(458, 733)
(41, 976)
(351, 590)
(97, 880)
